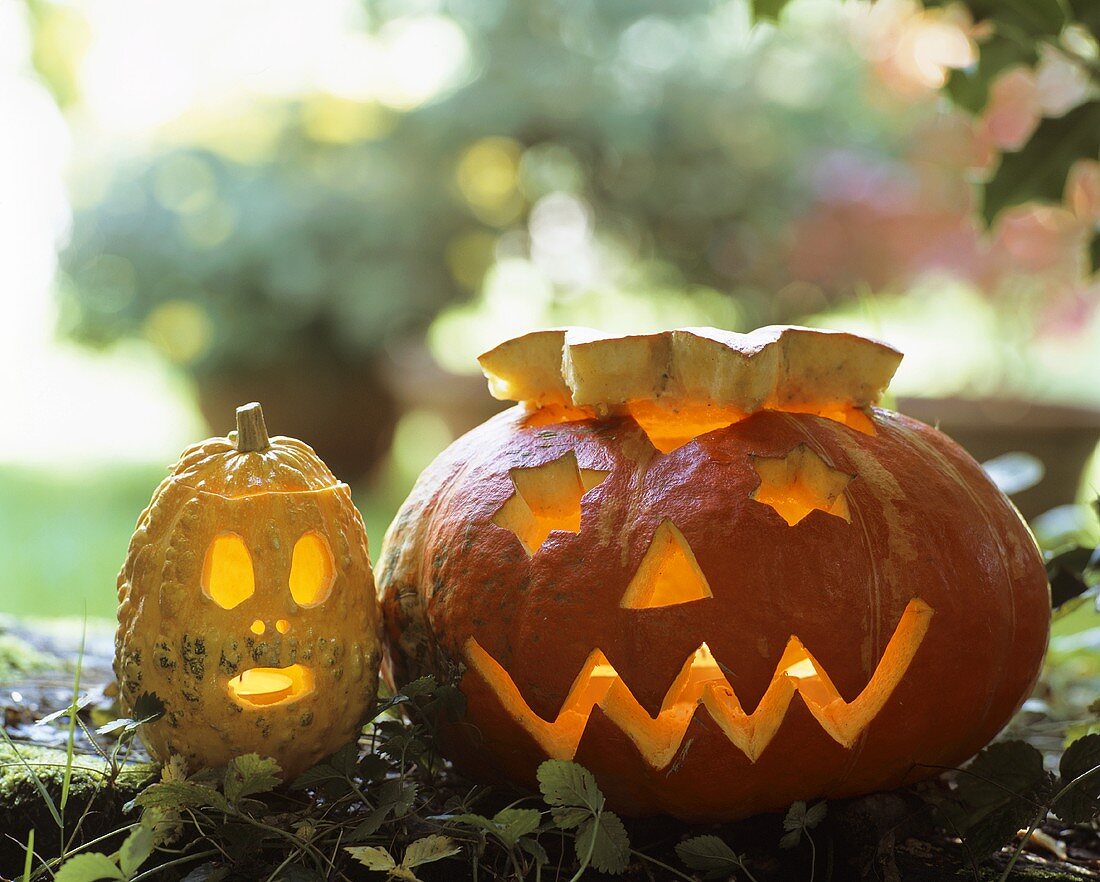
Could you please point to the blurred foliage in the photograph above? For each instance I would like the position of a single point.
(359, 222)
(1017, 32)
(229, 264)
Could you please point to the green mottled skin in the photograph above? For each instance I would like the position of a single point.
(175, 641)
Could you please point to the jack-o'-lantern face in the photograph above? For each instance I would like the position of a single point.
(229, 580)
(718, 611)
(248, 607)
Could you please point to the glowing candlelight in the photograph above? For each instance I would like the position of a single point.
(264, 686)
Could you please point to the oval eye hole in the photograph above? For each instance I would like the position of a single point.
(227, 576)
(311, 570)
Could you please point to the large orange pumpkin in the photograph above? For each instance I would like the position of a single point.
(705, 567)
(247, 605)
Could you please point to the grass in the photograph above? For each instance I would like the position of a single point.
(63, 535)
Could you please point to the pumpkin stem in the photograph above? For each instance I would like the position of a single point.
(251, 430)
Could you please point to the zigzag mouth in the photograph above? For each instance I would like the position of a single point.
(701, 682)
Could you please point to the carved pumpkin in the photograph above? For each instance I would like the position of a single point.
(702, 565)
(247, 604)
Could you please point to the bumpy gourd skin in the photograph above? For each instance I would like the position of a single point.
(925, 522)
(175, 641)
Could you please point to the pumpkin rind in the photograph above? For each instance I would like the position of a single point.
(175, 641)
(924, 523)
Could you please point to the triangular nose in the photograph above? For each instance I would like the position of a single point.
(668, 574)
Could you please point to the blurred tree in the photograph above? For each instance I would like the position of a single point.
(620, 143)
(362, 220)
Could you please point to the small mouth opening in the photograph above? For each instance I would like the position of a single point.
(263, 687)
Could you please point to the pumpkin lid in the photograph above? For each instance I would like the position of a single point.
(776, 367)
(247, 462)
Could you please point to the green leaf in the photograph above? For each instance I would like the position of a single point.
(768, 10)
(176, 795)
(88, 867)
(147, 708)
(791, 838)
(570, 817)
(372, 857)
(1022, 18)
(136, 849)
(1082, 803)
(428, 849)
(1001, 791)
(815, 814)
(371, 824)
(535, 849)
(512, 823)
(406, 796)
(969, 87)
(1002, 771)
(795, 818)
(470, 819)
(565, 783)
(605, 836)
(420, 686)
(1039, 169)
(249, 774)
(319, 774)
(708, 853)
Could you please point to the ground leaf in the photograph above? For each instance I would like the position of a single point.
(147, 709)
(709, 854)
(175, 795)
(428, 849)
(1082, 802)
(565, 783)
(136, 849)
(815, 814)
(1001, 791)
(514, 823)
(568, 817)
(535, 849)
(605, 836)
(420, 686)
(250, 774)
(470, 819)
(88, 867)
(372, 857)
(371, 824)
(799, 819)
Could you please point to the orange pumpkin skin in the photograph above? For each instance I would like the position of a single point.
(925, 522)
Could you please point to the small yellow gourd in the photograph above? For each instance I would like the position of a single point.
(247, 605)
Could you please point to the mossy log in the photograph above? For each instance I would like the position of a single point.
(95, 806)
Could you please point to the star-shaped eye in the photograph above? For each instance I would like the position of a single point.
(796, 484)
(547, 498)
